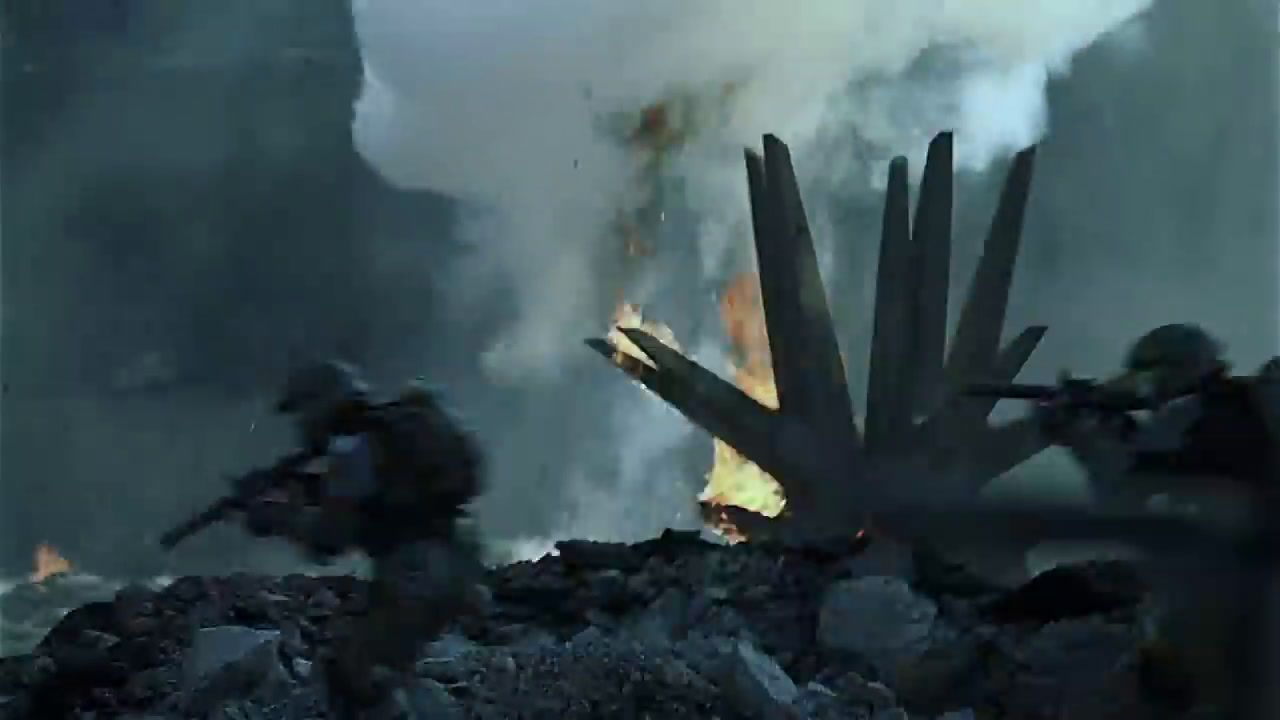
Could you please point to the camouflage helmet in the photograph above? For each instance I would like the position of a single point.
(1174, 356)
(324, 385)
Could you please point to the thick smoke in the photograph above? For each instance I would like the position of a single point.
(530, 110)
(502, 101)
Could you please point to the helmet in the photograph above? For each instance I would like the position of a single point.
(1173, 357)
(322, 387)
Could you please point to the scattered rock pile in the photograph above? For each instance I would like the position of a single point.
(29, 609)
(670, 628)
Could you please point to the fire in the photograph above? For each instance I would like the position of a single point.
(49, 562)
(734, 480)
(627, 315)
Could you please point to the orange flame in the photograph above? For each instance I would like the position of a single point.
(628, 315)
(49, 562)
(734, 480)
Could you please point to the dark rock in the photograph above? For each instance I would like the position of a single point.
(1071, 591)
(186, 590)
(962, 671)
(757, 688)
(883, 557)
(604, 630)
(664, 619)
(588, 555)
(426, 698)
(92, 616)
(674, 544)
(228, 663)
(818, 702)
(149, 684)
(609, 588)
(936, 576)
(879, 618)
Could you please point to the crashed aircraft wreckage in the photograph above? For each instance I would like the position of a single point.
(924, 450)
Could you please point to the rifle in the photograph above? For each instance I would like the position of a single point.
(245, 489)
(1070, 393)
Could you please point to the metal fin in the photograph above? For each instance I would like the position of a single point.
(977, 336)
(931, 241)
(889, 395)
(808, 369)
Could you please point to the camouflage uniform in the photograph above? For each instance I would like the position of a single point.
(393, 481)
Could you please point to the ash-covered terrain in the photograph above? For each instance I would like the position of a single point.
(675, 627)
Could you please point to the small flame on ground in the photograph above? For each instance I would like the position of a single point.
(49, 562)
(733, 479)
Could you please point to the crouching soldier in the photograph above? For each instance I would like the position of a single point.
(392, 480)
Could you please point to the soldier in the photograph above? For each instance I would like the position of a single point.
(392, 480)
(1207, 435)
(1208, 439)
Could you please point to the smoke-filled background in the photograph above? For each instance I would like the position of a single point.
(198, 195)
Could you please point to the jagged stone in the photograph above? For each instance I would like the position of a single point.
(665, 618)
(422, 699)
(1071, 591)
(879, 618)
(757, 687)
(229, 662)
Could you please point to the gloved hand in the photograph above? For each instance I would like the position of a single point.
(1063, 422)
(1058, 420)
(263, 518)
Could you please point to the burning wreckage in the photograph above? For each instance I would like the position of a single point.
(836, 608)
(791, 415)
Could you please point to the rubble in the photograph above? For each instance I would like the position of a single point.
(672, 627)
(878, 618)
(30, 608)
(233, 661)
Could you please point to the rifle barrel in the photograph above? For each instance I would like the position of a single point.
(1011, 391)
(195, 524)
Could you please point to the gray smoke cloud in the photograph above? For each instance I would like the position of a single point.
(525, 110)
(501, 102)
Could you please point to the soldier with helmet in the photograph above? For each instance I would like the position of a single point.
(1206, 432)
(392, 480)
(1186, 428)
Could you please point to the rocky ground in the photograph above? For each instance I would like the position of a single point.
(671, 628)
(29, 609)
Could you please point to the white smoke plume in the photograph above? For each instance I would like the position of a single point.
(502, 102)
(535, 111)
